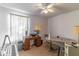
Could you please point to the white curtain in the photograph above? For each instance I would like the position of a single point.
(18, 26)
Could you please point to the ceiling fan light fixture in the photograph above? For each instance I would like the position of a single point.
(46, 8)
(44, 11)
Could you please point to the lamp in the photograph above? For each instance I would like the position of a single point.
(37, 28)
(76, 31)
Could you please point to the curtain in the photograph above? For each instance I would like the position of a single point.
(19, 26)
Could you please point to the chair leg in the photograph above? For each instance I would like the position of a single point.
(59, 51)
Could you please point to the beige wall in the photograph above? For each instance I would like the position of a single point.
(4, 23)
(62, 25)
(42, 22)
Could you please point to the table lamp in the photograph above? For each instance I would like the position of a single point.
(37, 28)
(76, 30)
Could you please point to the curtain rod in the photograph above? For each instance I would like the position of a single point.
(18, 15)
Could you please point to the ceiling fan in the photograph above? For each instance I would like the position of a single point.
(46, 7)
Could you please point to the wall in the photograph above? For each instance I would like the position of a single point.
(4, 23)
(62, 25)
(42, 22)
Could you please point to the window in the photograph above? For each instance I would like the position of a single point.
(18, 26)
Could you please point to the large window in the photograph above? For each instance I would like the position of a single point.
(18, 27)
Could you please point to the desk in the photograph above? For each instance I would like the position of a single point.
(27, 43)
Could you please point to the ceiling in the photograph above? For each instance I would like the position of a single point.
(32, 8)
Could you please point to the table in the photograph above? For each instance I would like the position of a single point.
(75, 47)
(60, 43)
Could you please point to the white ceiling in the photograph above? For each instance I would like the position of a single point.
(32, 8)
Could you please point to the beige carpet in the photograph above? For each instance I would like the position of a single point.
(38, 51)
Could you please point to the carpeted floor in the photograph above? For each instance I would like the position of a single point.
(38, 51)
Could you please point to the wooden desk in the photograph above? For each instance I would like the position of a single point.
(37, 42)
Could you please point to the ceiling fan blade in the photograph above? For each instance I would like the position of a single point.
(50, 10)
(44, 11)
(50, 6)
(41, 6)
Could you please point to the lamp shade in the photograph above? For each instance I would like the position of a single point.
(37, 27)
(76, 29)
